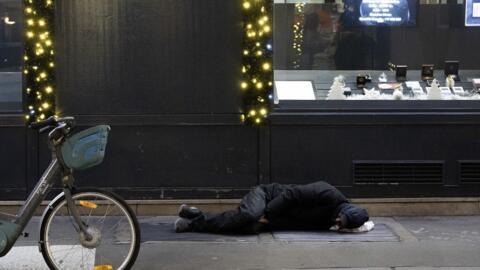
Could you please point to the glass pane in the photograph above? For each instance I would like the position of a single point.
(380, 44)
(11, 48)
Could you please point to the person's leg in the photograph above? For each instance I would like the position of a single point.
(244, 219)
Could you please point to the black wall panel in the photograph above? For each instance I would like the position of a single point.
(174, 157)
(13, 166)
(148, 57)
(301, 154)
(164, 74)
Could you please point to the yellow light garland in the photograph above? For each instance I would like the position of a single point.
(298, 34)
(257, 53)
(39, 75)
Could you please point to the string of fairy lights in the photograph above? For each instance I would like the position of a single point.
(39, 66)
(257, 64)
(298, 34)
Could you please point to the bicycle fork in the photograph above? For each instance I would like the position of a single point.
(72, 208)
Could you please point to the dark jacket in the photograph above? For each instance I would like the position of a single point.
(311, 206)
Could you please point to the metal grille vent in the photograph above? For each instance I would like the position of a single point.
(398, 172)
(470, 171)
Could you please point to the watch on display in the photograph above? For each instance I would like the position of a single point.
(427, 72)
(401, 73)
(451, 68)
(362, 80)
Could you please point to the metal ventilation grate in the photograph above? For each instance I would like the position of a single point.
(470, 171)
(398, 172)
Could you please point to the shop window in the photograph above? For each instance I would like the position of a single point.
(409, 50)
(11, 48)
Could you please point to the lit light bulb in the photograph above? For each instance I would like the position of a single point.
(28, 10)
(244, 85)
(43, 75)
(263, 111)
(245, 52)
(258, 120)
(41, 22)
(259, 85)
(266, 28)
(30, 34)
(266, 66)
(246, 5)
(48, 89)
(45, 105)
(252, 113)
(30, 22)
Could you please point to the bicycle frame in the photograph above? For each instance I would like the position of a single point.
(39, 193)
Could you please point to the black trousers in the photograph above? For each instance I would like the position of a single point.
(243, 220)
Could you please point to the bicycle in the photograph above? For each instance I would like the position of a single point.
(80, 228)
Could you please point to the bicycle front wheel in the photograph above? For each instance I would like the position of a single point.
(114, 235)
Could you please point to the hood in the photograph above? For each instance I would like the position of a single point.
(354, 215)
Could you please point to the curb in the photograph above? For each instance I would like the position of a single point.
(379, 207)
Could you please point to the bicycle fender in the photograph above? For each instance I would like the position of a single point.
(59, 197)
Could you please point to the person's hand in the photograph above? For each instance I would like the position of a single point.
(263, 220)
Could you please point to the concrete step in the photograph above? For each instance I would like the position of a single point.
(379, 207)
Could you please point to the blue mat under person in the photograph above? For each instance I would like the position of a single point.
(315, 206)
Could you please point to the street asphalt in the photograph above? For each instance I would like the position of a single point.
(400, 243)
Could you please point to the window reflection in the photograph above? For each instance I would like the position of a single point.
(328, 36)
(11, 48)
(322, 39)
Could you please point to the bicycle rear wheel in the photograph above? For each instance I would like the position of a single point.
(115, 240)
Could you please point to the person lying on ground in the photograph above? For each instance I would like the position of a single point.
(315, 206)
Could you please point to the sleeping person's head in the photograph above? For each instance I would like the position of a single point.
(351, 216)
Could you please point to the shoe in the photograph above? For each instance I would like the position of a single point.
(188, 212)
(182, 225)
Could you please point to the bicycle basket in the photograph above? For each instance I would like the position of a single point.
(86, 148)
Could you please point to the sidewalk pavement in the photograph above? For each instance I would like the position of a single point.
(400, 243)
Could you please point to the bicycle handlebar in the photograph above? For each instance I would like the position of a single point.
(52, 122)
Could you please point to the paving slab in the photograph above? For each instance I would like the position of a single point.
(381, 233)
(165, 232)
(464, 229)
